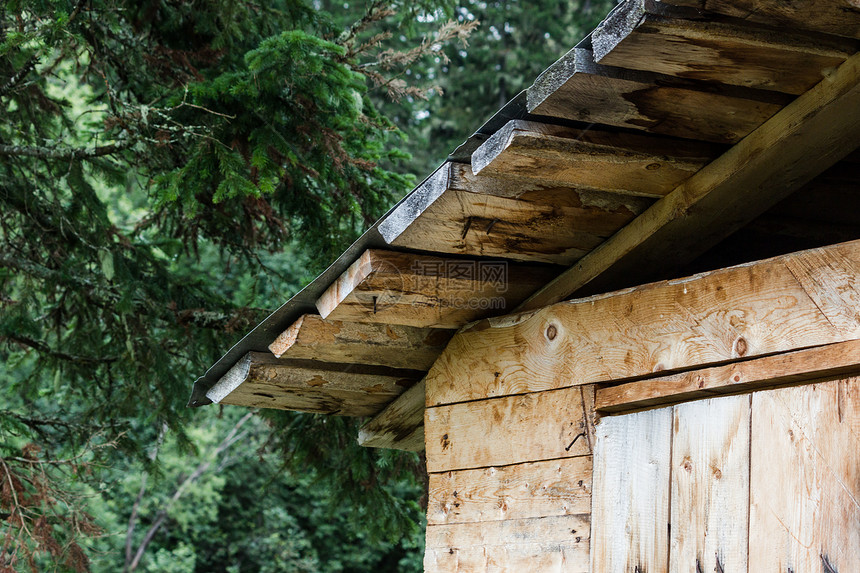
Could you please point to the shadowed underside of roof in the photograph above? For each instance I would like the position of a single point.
(681, 136)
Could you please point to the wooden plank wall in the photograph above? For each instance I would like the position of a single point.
(510, 486)
(768, 481)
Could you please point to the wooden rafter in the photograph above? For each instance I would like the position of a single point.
(427, 291)
(809, 135)
(625, 163)
(578, 89)
(458, 212)
(260, 380)
(313, 338)
(400, 426)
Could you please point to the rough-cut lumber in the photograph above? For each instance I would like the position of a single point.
(828, 361)
(646, 35)
(710, 486)
(805, 479)
(426, 291)
(809, 135)
(545, 544)
(313, 338)
(627, 163)
(537, 489)
(260, 380)
(740, 312)
(576, 88)
(457, 212)
(508, 430)
(400, 426)
(840, 17)
(630, 507)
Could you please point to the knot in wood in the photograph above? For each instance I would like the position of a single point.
(741, 346)
(551, 332)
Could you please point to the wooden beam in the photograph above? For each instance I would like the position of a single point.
(830, 361)
(578, 89)
(260, 380)
(648, 35)
(840, 17)
(809, 135)
(626, 163)
(400, 426)
(426, 291)
(507, 430)
(313, 338)
(779, 305)
(460, 213)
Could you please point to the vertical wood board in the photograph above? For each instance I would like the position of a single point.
(630, 498)
(805, 479)
(710, 485)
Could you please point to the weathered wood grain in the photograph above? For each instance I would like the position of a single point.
(806, 137)
(832, 360)
(645, 35)
(578, 89)
(509, 430)
(489, 217)
(262, 381)
(740, 312)
(627, 163)
(313, 338)
(537, 489)
(630, 499)
(547, 544)
(710, 485)
(805, 478)
(400, 426)
(426, 291)
(840, 17)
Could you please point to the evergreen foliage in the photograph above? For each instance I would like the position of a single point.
(169, 173)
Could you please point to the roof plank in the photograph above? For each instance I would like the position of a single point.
(427, 291)
(313, 338)
(840, 17)
(576, 88)
(491, 217)
(627, 163)
(808, 136)
(644, 35)
(260, 380)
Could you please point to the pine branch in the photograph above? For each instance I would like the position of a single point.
(232, 437)
(31, 62)
(64, 152)
(43, 348)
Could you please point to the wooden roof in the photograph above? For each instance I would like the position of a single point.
(674, 126)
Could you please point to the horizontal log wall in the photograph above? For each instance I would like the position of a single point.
(510, 485)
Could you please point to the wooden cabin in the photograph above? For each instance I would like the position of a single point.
(504, 317)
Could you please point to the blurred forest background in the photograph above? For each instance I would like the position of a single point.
(170, 172)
